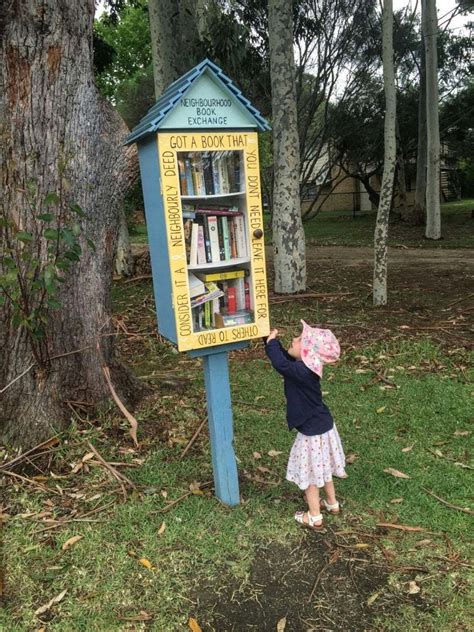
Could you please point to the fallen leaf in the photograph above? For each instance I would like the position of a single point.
(395, 473)
(257, 455)
(372, 598)
(50, 604)
(88, 457)
(162, 528)
(146, 563)
(351, 457)
(71, 541)
(381, 409)
(396, 501)
(195, 488)
(324, 392)
(413, 588)
(194, 625)
(408, 448)
(400, 527)
(281, 625)
(274, 453)
(462, 433)
(423, 542)
(164, 493)
(264, 470)
(361, 545)
(41, 478)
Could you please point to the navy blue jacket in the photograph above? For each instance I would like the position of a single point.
(305, 409)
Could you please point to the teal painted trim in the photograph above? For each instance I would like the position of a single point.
(219, 410)
(232, 346)
(156, 227)
(152, 121)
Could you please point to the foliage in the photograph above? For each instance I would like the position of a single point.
(36, 263)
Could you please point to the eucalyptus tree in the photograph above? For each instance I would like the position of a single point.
(390, 144)
(63, 175)
(289, 258)
(430, 34)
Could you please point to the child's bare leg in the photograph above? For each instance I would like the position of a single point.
(330, 492)
(312, 498)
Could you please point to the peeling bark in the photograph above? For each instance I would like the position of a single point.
(52, 114)
(390, 153)
(288, 234)
(419, 210)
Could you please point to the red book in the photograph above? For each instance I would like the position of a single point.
(247, 295)
(231, 301)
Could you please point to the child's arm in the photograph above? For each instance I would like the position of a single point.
(283, 362)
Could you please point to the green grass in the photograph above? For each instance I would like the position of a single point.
(204, 541)
(341, 229)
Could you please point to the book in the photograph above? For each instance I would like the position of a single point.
(214, 238)
(187, 230)
(232, 238)
(220, 232)
(207, 242)
(196, 286)
(240, 236)
(212, 291)
(225, 236)
(239, 286)
(242, 317)
(201, 248)
(193, 255)
(182, 177)
(208, 174)
(231, 300)
(221, 275)
(188, 176)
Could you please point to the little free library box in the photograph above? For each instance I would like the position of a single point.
(199, 163)
(198, 152)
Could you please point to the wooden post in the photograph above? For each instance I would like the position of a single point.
(219, 410)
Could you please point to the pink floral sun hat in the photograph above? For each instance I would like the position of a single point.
(318, 347)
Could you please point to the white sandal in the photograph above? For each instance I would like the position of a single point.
(332, 509)
(299, 517)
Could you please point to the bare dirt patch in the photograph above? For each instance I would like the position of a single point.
(320, 584)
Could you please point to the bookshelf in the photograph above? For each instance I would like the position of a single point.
(213, 196)
(216, 229)
(213, 225)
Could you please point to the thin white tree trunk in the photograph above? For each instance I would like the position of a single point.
(289, 258)
(390, 154)
(433, 211)
(419, 210)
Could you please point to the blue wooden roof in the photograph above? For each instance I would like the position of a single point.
(152, 121)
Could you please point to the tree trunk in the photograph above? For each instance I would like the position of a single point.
(419, 210)
(433, 211)
(55, 126)
(288, 235)
(164, 16)
(390, 144)
(123, 252)
(405, 214)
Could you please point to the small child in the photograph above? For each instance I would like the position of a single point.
(317, 452)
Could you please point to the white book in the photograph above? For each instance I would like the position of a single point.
(226, 237)
(193, 255)
(240, 236)
(196, 286)
(201, 247)
(239, 285)
(214, 238)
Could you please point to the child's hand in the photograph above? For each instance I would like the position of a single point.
(273, 335)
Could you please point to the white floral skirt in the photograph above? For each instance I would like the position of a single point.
(315, 460)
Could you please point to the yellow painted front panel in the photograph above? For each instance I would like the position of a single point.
(168, 146)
